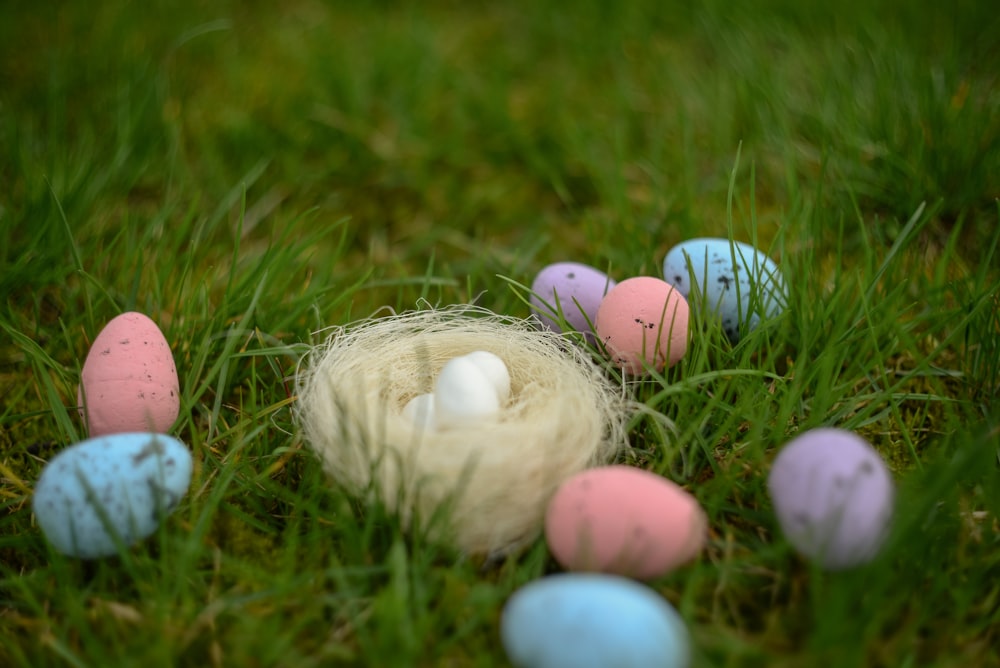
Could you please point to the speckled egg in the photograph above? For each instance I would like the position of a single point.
(833, 496)
(129, 381)
(575, 289)
(733, 280)
(592, 620)
(110, 489)
(624, 520)
(643, 321)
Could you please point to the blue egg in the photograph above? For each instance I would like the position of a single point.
(734, 280)
(592, 620)
(110, 490)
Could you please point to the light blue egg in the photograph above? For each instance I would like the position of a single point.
(592, 620)
(110, 488)
(733, 279)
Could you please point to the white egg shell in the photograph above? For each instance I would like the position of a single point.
(734, 280)
(420, 410)
(833, 496)
(592, 620)
(109, 489)
(493, 368)
(463, 394)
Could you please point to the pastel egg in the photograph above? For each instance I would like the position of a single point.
(129, 381)
(464, 395)
(573, 288)
(624, 520)
(833, 496)
(733, 279)
(643, 321)
(493, 368)
(110, 490)
(592, 620)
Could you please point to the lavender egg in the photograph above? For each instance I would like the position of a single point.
(833, 496)
(574, 289)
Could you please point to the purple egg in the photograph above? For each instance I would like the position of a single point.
(833, 496)
(575, 289)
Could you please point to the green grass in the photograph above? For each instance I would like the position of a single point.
(248, 175)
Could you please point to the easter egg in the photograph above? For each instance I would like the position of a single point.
(463, 394)
(420, 410)
(493, 368)
(572, 288)
(833, 496)
(108, 490)
(731, 279)
(624, 520)
(129, 381)
(592, 620)
(643, 321)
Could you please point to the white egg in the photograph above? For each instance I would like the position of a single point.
(463, 394)
(420, 411)
(493, 368)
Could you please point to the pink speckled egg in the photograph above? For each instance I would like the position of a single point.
(129, 380)
(833, 495)
(575, 289)
(643, 321)
(623, 520)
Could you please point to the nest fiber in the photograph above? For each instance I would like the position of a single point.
(492, 480)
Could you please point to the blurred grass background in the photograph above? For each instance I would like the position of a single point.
(250, 173)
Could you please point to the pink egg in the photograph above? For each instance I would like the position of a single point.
(575, 289)
(624, 520)
(129, 380)
(643, 321)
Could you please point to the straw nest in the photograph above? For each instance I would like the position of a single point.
(493, 480)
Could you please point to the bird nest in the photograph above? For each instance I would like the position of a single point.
(495, 479)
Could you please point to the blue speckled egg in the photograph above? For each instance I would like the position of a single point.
(592, 620)
(734, 280)
(108, 489)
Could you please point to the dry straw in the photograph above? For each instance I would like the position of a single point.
(493, 479)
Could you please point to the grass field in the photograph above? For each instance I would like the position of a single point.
(248, 174)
